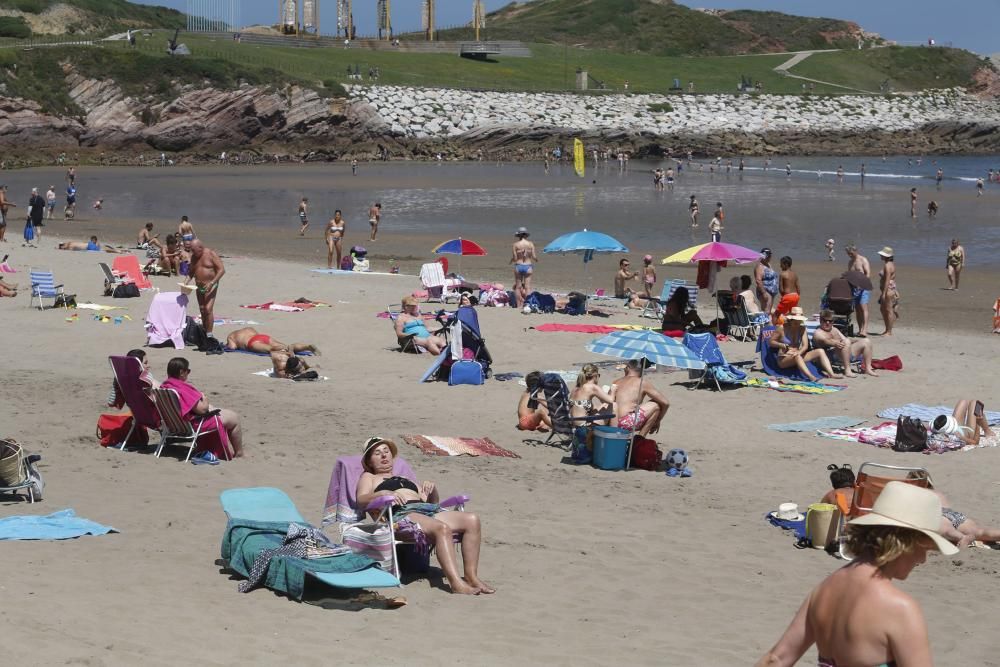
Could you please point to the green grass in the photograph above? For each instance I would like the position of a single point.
(14, 26)
(104, 15)
(906, 68)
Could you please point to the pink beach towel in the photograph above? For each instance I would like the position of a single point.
(448, 446)
(341, 501)
(215, 441)
(166, 319)
(129, 266)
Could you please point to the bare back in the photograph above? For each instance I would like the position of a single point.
(524, 252)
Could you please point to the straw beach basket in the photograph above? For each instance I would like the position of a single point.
(12, 470)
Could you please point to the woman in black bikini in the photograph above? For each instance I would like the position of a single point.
(418, 503)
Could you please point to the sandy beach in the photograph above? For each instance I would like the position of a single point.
(590, 566)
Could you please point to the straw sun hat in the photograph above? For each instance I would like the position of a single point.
(908, 506)
(797, 314)
(373, 442)
(886, 252)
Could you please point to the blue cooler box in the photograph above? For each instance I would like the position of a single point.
(610, 447)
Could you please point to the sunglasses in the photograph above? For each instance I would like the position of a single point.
(825, 321)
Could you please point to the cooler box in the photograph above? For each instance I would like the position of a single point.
(610, 447)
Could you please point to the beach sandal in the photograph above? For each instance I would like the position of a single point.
(686, 472)
(673, 472)
(205, 458)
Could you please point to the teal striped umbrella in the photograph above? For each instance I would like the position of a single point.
(645, 344)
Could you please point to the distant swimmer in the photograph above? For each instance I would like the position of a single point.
(913, 202)
(303, 215)
(979, 187)
(354, 167)
(840, 174)
(374, 217)
(864, 170)
(932, 209)
(788, 169)
(670, 177)
(939, 176)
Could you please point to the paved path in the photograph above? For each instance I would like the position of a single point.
(802, 55)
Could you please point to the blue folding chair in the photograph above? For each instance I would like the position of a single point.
(43, 287)
(716, 367)
(769, 359)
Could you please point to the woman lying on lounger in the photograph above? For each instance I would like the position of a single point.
(792, 344)
(418, 503)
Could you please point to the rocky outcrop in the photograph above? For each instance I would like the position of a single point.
(413, 122)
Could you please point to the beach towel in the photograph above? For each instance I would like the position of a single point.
(448, 446)
(166, 319)
(304, 353)
(928, 414)
(591, 328)
(128, 265)
(884, 436)
(797, 527)
(340, 495)
(296, 306)
(61, 525)
(893, 363)
(341, 272)
(244, 540)
(98, 306)
(795, 386)
(269, 373)
(817, 424)
(6, 268)
(432, 275)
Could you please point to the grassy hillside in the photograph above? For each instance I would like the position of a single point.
(905, 68)
(84, 17)
(659, 27)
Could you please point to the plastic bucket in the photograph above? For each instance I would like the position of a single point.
(822, 521)
(610, 447)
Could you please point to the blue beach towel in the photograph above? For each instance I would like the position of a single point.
(928, 413)
(816, 424)
(61, 525)
(797, 527)
(304, 353)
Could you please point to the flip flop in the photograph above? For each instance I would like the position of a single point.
(686, 472)
(673, 472)
(205, 458)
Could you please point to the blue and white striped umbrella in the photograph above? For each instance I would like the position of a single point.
(645, 344)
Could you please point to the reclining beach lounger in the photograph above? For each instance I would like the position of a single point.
(258, 520)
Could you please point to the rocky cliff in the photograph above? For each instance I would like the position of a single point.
(412, 122)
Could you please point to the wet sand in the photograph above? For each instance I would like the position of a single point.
(591, 566)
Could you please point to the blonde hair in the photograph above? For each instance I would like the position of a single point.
(587, 373)
(880, 545)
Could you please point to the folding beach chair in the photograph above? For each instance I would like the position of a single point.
(717, 368)
(756, 319)
(433, 279)
(868, 484)
(557, 402)
(654, 307)
(43, 286)
(128, 377)
(769, 359)
(112, 279)
(379, 538)
(175, 430)
(264, 504)
(738, 323)
(17, 471)
(406, 343)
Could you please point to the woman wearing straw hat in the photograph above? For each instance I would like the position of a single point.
(856, 616)
(889, 300)
(792, 345)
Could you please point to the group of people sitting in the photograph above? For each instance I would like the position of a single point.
(794, 349)
(627, 403)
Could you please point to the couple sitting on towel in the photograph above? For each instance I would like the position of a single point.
(284, 356)
(791, 342)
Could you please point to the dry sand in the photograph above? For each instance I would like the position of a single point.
(590, 566)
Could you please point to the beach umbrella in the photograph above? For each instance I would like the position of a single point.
(858, 280)
(584, 243)
(645, 344)
(715, 251)
(459, 247)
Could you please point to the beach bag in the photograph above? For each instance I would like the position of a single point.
(645, 454)
(577, 304)
(911, 435)
(466, 371)
(194, 334)
(125, 291)
(113, 428)
(371, 540)
(65, 301)
(540, 303)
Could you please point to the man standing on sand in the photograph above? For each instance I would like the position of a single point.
(858, 262)
(523, 258)
(374, 217)
(4, 205)
(788, 287)
(50, 202)
(638, 407)
(207, 270)
(303, 215)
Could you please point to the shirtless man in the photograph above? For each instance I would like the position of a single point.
(523, 258)
(622, 276)
(788, 288)
(303, 215)
(839, 346)
(252, 340)
(185, 230)
(4, 205)
(628, 394)
(858, 262)
(374, 217)
(145, 236)
(206, 270)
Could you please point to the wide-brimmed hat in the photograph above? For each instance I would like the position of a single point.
(787, 512)
(886, 252)
(373, 442)
(908, 506)
(522, 231)
(187, 288)
(797, 314)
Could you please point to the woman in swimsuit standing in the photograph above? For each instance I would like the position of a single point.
(419, 504)
(856, 616)
(334, 238)
(693, 210)
(889, 301)
(956, 259)
(523, 258)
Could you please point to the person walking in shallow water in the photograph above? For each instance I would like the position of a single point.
(303, 215)
(913, 203)
(693, 210)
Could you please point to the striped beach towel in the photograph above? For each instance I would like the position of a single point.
(446, 446)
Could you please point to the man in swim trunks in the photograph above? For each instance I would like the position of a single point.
(858, 262)
(252, 340)
(788, 287)
(374, 217)
(4, 205)
(185, 229)
(206, 269)
(303, 215)
(145, 236)
(532, 413)
(523, 258)
(628, 395)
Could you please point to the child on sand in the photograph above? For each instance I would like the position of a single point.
(648, 275)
